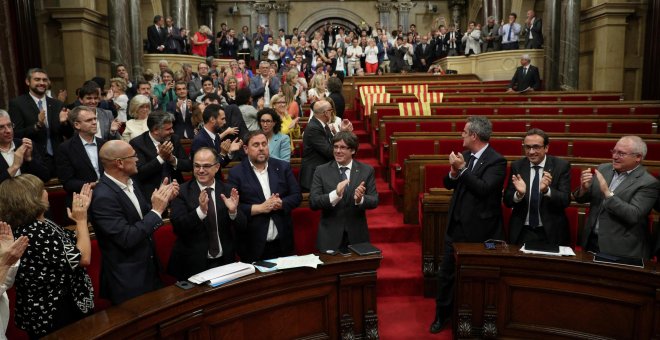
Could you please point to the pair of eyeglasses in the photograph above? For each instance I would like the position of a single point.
(203, 166)
(534, 147)
(619, 154)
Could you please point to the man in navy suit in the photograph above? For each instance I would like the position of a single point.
(539, 192)
(214, 119)
(78, 157)
(18, 155)
(40, 118)
(182, 110)
(269, 193)
(475, 213)
(160, 154)
(124, 223)
(203, 222)
(264, 85)
(107, 125)
(156, 36)
(526, 78)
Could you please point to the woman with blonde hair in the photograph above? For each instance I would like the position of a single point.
(200, 41)
(289, 125)
(140, 108)
(52, 285)
(292, 106)
(318, 90)
(231, 86)
(118, 96)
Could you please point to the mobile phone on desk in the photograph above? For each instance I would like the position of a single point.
(265, 264)
(185, 285)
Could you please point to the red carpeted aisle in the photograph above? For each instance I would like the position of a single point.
(403, 312)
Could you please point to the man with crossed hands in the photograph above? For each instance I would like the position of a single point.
(538, 192)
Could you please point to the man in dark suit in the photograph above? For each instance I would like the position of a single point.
(78, 157)
(160, 154)
(173, 38)
(621, 195)
(475, 212)
(156, 36)
(244, 40)
(269, 193)
(203, 216)
(423, 54)
(40, 118)
(317, 146)
(107, 125)
(533, 31)
(344, 189)
(18, 155)
(229, 44)
(182, 109)
(264, 85)
(207, 137)
(538, 192)
(526, 78)
(124, 223)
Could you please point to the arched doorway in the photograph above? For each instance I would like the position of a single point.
(337, 16)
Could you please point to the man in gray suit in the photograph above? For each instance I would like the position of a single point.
(621, 195)
(107, 125)
(344, 189)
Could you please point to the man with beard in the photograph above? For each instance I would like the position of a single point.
(160, 154)
(214, 120)
(269, 192)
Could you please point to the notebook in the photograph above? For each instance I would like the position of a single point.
(365, 248)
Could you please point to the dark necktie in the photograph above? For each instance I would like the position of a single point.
(535, 199)
(471, 163)
(524, 71)
(328, 133)
(510, 29)
(49, 145)
(342, 171)
(212, 225)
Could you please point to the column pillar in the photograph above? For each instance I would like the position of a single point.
(209, 9)
(263, 13)
(136, 40)
(282, 9)
(180, 13)
(571, 60)
(120, 47)
(551, 38)
(456, 7)
(384, 8)
(492, 8)
(404, 12)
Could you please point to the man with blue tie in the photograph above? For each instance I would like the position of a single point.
(269, 192)
(526, 78)
(538, 192)
(510, 32)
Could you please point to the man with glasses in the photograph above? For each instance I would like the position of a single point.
(264, 85)
(160, 154)
(621, 194)
(538, 192)
(78, 157)
(204, 215)
(18, 156)
(195, 85)
(343, 189)
(124, 223)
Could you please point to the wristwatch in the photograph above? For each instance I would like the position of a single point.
(609, 194)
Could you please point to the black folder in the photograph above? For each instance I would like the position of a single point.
(620, 260)
(365, 248)
(546, 247)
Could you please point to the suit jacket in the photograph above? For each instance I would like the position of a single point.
(345, 215)
(537, 34)
(531, 79)
(104, 120)
(129, 262)
(155, 39)
(258, 89)
(551, 208)
(622, 219)
(234, 118)
(181, 125)
(35, 167)
(194, 88)
(494, 33)
(24, 113)
(241, 37)
(190, 251)
(317, 150)
(74, 168)
(471, 42)
(150, 172)
(203, 139)
(340, 103)
(230, 48)
(279, 146)
(475, 211)
(423, 53)
(252, 242)
(173, 41)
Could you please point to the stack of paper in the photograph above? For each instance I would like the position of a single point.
(563, 251)
(288, 262)
(219, 275)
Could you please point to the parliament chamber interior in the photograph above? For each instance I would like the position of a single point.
(430, 90)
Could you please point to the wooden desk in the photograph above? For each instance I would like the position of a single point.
(337, 300)
(505, 293)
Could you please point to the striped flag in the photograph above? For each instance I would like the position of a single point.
(415, 89)
(430, 97)
(369, 89)
(415, 109)
(375, 98)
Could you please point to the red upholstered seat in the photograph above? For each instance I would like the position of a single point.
(653, 153)
(435, 126)
(508, 147)
(576, 172)
(587, 126)
(434, 175)
(446, 146)
(305, 228)
(480, 111)
(578, 110)
(94, 272)
(572, 213)
(511, 111)
(592, 149)
(558, 147)
(57, 200)
(405, 148)
(406, 99)
(509, 126)
(632, 127)
(164, 238)
(506, 217)
(644, 110)
(549, 126)
(446, 110)
(544, 110)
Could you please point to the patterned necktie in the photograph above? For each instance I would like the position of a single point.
(535, 199)
(212, 225)
(342, 171)
(49, 145)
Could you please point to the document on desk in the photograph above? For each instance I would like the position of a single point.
(288, 262)
(219, 275)
(563, 251)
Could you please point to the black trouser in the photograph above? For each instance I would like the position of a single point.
(510, 46)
